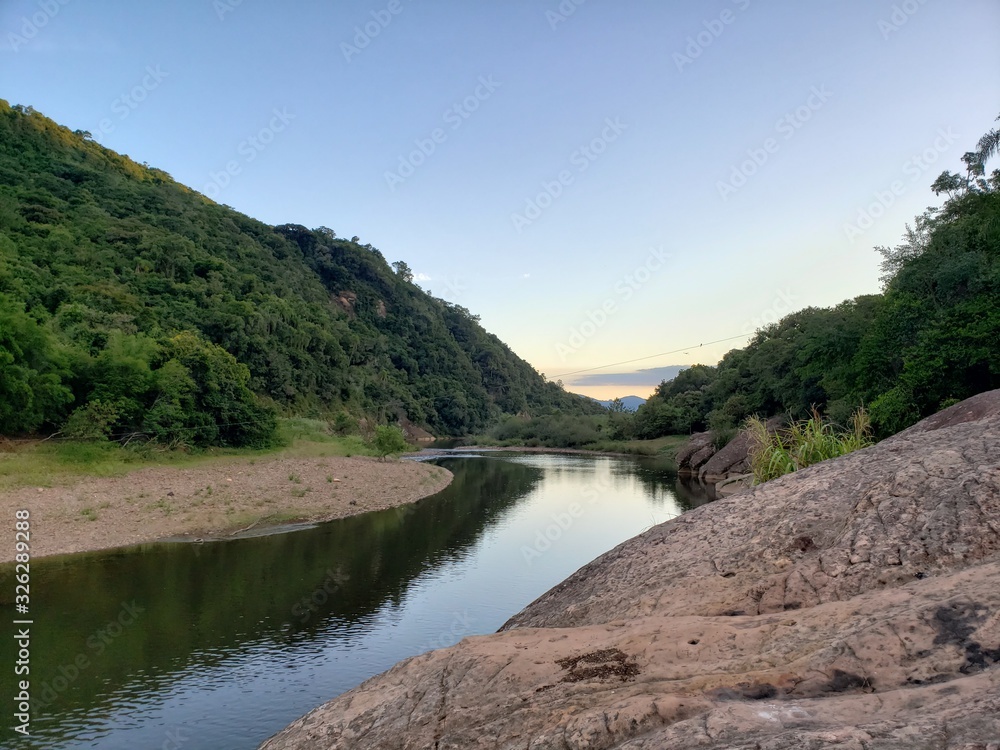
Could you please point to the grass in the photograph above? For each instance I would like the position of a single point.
(803, 444)
(163, 505)
(661, 446)
(60, 462)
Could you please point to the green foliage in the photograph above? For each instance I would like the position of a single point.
(120, 286)
(32, 371)
(389, 440)
(927, 342)
(93, 421)
(555, 431)
(802, 444)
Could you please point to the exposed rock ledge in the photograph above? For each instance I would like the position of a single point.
(853, 605)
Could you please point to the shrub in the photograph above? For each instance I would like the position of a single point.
(802, 444)
(389, 441)
(91, 422)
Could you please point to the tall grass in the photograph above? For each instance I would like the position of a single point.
(803, 443)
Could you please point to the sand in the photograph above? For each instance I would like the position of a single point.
(224, 498)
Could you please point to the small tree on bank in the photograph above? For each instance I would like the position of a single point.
(389, 441)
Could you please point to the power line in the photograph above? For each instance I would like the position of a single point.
(653, 356)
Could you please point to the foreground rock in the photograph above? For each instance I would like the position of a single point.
(855, 604)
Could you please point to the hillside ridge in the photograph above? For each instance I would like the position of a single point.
(105, 262)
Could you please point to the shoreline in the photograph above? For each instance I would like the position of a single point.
(221, 500)
(435, 452)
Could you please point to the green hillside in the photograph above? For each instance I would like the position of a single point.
(130, 303)
(929, 340)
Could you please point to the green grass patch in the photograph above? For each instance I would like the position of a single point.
(803, 444)
(60, 462)
(666, 446)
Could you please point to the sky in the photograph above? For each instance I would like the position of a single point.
(616, 188)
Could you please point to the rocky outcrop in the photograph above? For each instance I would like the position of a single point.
(854, 604)
(733, 458)
(695, 452)
(700, 457)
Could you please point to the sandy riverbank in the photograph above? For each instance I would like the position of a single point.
(213, 500)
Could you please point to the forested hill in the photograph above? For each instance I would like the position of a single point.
(928, 341)
(133, 303)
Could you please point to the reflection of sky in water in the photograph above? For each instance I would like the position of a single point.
(233, 697)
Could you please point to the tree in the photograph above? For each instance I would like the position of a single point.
(915, 241)
(616, 406)
(403, 271)
(975, 179)
(989, 145)
(389, 440)
(32, 372)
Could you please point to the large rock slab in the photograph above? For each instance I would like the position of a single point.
(854, 604)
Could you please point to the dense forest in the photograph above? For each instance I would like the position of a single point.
(132, 305)
(930, 339)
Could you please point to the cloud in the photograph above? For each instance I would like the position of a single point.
(652, 376)
(422, 277)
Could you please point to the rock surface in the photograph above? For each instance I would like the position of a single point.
(853, 605)
(696, 451)
(699, 457)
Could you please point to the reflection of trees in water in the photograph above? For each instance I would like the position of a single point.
(691, 493)
(205, 602)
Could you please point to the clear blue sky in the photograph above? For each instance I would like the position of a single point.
(691, 168)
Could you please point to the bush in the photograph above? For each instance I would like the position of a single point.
(389, 441)
(802, 444)
(91, 422)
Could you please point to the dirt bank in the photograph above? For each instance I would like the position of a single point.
(212, 500)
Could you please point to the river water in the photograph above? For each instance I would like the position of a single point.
(217, 646)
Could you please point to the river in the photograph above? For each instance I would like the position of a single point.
(217, 646)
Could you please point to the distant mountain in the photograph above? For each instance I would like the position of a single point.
(632, 403)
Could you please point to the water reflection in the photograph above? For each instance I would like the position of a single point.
(229, 641)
